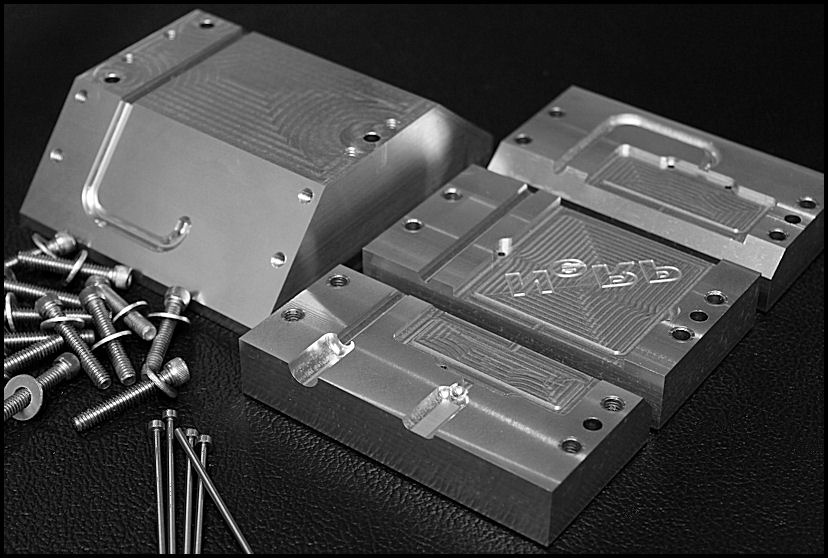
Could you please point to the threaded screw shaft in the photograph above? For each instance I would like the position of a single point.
(174, 373)
(120, 275)
(29, 291)
(18, 361)
(64, 368)
(30, 315)
(133, 319)
(63, 243)
(158, 349)
(96, 307)
(20, 340)
(49, 307)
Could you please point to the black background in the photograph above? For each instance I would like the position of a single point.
(738, 468)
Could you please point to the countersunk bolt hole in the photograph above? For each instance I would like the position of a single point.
(556, 112)
(338, 281)
(413, 225)
(206, 23)
(112, 77)
(81, 96)
(293, 314)
(278, 259)
(305, 196)
(778, 235)
(371, 137)
(613, 404)
(681, 334)
(793, 219)
(56, 155)
(698, 316)
(593, 424)
(571, 445)
(523, 139)
(807, 203)
(715, 298)
(452, 194)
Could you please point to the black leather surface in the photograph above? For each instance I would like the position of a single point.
(739, 467)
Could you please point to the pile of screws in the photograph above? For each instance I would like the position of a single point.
(66, 321)
(188, 439)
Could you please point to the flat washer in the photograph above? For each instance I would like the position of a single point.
(127, 309)
(76, 267)
(109, 338)
(169, 315)
(168, 390)
(8, 311)
(50, 323)
(41, 244)
(24, 381)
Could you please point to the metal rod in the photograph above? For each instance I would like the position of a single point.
(204, 440)
(211, 490)
(192, 433)
(169, 417)
(155, 428)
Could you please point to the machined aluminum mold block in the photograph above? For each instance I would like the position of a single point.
(514, 435)
(600, 298)
(709, 194)
(237, 166)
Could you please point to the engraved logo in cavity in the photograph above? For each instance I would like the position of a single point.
(623, 274)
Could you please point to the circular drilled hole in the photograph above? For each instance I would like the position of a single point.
(413, 225)
(670, 162)
(293, 314)
(728, 187)
(681, 334)
(452, 194)
(698, 316)
(278, 259)
(715, 298)
(305, 196)
(112, 77)
(81, 96)
(793, 219)
(170, 34)
(778, 235)
(371, 137)
(613, 404)
(206, 23)
(338, 281)
(523, 139)
(129, 58)
(56, 155)
(593, 424)
(556, 112)
(571, 445)
(807, 203)
(392, 123)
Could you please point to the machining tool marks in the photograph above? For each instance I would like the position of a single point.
(579, 276)
(680, 189)
(485, 357)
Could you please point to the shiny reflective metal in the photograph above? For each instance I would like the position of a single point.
(237, 166)
(23, 394)
(175, 373)
(176, 300)
(120, 275)
(93, 300)
(207, 483)
(62, 244)
(121, 310)
(204, 441)
(508, 432)
(169, 417)
(155, 427)
(30, 291)
(614, 304)
(23, 339)
(192, 434)
(709, 194)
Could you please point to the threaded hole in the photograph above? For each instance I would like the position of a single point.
(807, 203)
(170, 34)
(56, 155)
(556, 112)
(128, 58)
(593, 424)
(698, 316)
(613, 403)
(278, 259)
(793, 219)
(338, 281)
(112, 77)
(206, 23)
(523, 139)
(681, 333)
(413, 225)
(452, 194)
(715, 298)
(81, 96)
(305, 196)
(571, 445)
(293, 314)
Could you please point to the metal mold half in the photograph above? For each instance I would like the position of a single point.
(238, 166)
(597, 297)
(508, 432)
(709, 194)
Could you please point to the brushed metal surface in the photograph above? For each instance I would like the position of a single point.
(709, 194)
(519, 451)
(587, 293)
(237, 166)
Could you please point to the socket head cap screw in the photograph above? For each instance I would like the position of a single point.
(177, 293)
(122, 276)
(72, 363)
(154, 425)
(169, 413)
(46, 302)
(96, 280)
(191, 432)
(88, 294)
(205, 439)
(65, 242)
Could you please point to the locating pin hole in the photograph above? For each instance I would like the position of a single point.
(778, 235)
(593, 424)
(278, 259)
(793, 219)
(556, 112)
(807, 203)
(698, 316)
(452, 194)
(504, 247)
(371, 137)
(413, 225)
(682, 334)
(715, 298)
(523, 139)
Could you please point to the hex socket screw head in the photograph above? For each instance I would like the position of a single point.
(120, 275)
(50, 308)
(133, 319)
(23, 395)
(176, 300)
(175, 373)
(63, 243)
